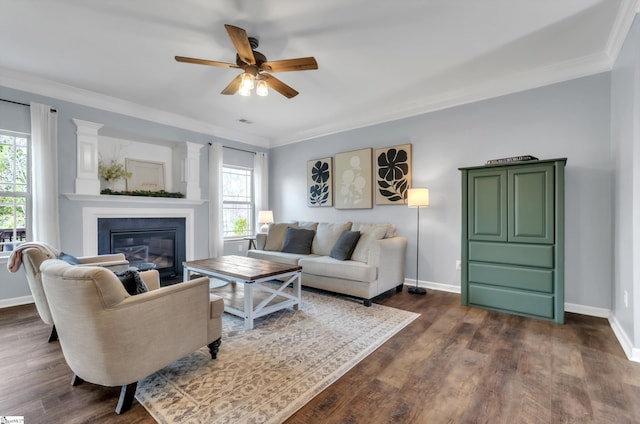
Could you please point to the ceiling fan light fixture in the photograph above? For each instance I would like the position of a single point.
(246, 83)
(262, 89)
(243, 91)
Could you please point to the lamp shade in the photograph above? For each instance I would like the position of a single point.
(418, 197)
(265, 217)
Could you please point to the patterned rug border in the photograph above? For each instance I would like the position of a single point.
(234, 325)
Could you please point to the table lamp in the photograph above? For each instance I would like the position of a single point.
(265, 218)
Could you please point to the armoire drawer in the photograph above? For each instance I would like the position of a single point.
(537, 255)
(540, 280)
(529, 303)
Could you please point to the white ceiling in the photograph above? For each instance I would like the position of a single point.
(378, 60)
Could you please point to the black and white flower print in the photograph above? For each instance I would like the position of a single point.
(393, 174)
(319, 190)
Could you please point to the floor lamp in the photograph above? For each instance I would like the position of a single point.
(418, 198)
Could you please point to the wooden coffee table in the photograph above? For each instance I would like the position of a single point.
(257, 276)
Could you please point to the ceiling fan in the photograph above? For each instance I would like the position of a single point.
(257, 70)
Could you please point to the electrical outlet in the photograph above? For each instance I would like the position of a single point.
(458, 265)
(626, 299)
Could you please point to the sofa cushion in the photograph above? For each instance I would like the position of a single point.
(308, 225)
(280, 257)
(326, 237)
(343, 249)
(335, 268)
(391, 228)
(369, 233)
(298, 240)
(276, 235)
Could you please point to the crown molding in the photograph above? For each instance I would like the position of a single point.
(626, 14)
(44, 87)
(527, 80)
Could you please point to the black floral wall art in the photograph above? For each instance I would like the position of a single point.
(393, 174)
(319, 182)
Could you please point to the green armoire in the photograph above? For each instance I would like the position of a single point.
(513, 238)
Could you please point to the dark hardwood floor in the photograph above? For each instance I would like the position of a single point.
(452, 365)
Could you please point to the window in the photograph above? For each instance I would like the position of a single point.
(237, 201)
(15, 193)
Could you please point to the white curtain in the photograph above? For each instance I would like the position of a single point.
(44, 175)
(261, 183)
(216, 233)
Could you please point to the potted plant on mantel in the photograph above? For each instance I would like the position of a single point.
(112, 173)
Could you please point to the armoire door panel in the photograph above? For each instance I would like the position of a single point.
(531, 205)
(488, 206)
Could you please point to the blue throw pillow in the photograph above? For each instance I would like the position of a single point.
(346, 244)
(72, 260)
(298, 240)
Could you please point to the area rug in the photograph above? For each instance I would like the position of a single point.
(266, 374)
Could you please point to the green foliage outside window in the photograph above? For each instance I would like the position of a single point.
(241, 227)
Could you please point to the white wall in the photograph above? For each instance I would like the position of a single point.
(569, 119)
(625, 148)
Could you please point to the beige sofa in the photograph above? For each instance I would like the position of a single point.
(376, 265)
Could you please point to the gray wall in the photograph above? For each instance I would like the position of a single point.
(71, 211)
(625, 147)
(569, 119)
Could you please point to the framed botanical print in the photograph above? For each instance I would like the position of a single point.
(319, 182)
(393, 174)
(352, 182)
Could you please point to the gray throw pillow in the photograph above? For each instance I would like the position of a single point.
(346, 244)
(132, 282)
(298, 240)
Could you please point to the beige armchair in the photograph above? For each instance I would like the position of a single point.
(33, 257)
(113, 339)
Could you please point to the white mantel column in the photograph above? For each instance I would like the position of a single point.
(87, 180)
(187, 157)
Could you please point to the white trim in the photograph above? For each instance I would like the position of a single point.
(90, 224)
(16, 301)
(633, 353)
(587, 310)
(445, 287)
(620, 29)
(45, 87)
(133, 199)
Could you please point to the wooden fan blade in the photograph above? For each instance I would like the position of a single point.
(233, 86)
(205, 62)
(300, 64)
(240, 40)
(279, 86)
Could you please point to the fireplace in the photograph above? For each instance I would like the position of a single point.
(160, 241)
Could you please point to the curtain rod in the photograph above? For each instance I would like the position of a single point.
(24, 104)
(235, 148)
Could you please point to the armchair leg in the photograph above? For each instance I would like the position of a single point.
(75, 380)
(367, 302)
(54, 335)
(214, 346)
(127, 394)
(399, 288)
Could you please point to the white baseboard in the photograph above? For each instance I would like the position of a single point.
(16, 301)
(446, 287)
(633, 353)
(587, 310)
